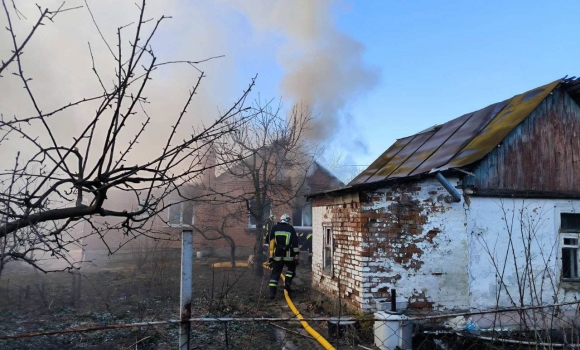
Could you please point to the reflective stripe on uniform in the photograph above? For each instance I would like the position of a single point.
(285, 236)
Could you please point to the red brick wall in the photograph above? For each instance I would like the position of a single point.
(210, 211)
(380, 239)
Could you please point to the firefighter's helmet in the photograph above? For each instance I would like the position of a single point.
(285, 218)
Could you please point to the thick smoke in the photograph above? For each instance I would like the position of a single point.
(58, 60)
(324, 68)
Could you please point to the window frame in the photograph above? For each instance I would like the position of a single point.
(265, 219)
(181, 211)
(563, 235)
(327, 247)
(302, 209)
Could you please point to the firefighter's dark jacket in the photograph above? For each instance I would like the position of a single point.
(283, 242)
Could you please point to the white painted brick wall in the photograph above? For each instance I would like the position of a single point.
(489, 223)
(457, 271)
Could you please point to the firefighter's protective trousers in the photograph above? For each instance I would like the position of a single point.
(283, 249)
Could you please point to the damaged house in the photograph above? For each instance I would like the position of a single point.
(480, 212)
(243, 228)
(208, 212)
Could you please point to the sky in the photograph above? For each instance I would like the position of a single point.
(437, 60)
(372, 71)
(442, 59)
(432, 61)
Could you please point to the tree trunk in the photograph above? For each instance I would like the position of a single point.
(232, 251)
(258, 252)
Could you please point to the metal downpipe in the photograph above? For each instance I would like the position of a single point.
(456, 197)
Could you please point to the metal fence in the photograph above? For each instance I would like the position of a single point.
(538, 327)
(130, 306)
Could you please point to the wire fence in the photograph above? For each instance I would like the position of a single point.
(544, 327)
(123, 307)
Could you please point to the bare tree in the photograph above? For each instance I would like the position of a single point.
(336, 162)
(218, 229)
(46, 196)
(524, 261)
(266, 163)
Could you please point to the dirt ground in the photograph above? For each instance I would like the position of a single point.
(125, 289)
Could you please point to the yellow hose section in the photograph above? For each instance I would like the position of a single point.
(229, 264)
(325, 344)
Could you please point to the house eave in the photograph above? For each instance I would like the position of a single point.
(383, 183)
(524, 194)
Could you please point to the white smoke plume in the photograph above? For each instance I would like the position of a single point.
(324, 67)
(58, 60)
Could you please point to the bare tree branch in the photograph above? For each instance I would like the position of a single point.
(50, 194)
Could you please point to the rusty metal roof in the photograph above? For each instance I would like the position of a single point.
(459, 142)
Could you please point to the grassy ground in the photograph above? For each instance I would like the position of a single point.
(124, 289)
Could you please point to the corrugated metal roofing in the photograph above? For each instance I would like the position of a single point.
(457, 143)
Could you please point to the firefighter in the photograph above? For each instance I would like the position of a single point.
(307, 247)
(301, 239)
(283, 251)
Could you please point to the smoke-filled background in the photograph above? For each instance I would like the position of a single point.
(293, 46)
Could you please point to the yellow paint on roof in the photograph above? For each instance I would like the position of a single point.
(518, 108)
(407, 154)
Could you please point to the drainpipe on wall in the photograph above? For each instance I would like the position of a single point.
(455, 196)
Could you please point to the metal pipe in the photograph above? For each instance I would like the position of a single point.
(452, 191)
(393, 300)
(186, 288)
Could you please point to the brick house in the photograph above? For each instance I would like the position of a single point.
(207, 212)
(243, 229)
(480, 212)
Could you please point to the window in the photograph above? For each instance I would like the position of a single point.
(569, 222)
(267, 211)
(570, 243)
(302, 216)
(181, 214)
(327, 249)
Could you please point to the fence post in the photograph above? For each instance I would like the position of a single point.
(186, 288)
(73, 290)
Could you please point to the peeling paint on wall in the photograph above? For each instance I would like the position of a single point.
(500, 267)
(410, 239)
(439, 255)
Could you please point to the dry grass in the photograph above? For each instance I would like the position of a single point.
(117, 290)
